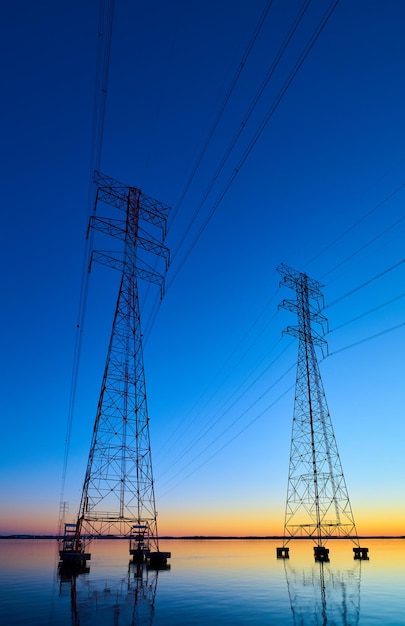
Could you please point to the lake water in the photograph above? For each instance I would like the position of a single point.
(224, 582)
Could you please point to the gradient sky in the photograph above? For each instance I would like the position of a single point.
(321, 189)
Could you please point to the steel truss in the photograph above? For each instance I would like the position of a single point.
(318, 504)
(118, 490)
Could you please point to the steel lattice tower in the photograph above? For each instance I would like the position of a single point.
(118, 491)
(318, 504)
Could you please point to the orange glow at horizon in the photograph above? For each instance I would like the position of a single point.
(369, 522)
(266, 523)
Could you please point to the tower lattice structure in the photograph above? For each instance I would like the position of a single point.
(118, 491)
(318, 504)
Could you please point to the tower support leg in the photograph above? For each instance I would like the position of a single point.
(361, 553)
(283, 553)
(321, 554)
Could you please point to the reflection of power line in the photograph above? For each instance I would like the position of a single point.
(321, 595)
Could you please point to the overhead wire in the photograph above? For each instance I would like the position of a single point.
(317, 32)
(155, 309)
(244, 122)
(225, 408)
(106, 14)
(369, 312)
(297, 66)
(268, 389)
(224, 191)
(222, 108)
(366, 245)
(369, 338)
(186, 423)
(229, 441)
(353, 226)
(365, 284)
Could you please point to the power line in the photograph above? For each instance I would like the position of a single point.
(106, 13)
(244, 122)
(220, 112)
(189, 423)
(357, 343)
(229, 427)
(365, 284)
(366, 245)
(353, 226)
(202, 434)
(106, 18)
(211, 424)
(373, 310)
(270, 113)
(247, 426)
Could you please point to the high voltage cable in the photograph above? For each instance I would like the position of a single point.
(245, 120)
(105, 25)
(203, 150)
(218, 117)
(227, 443)
(352, 345)
(236, 171)
(258, 133)
(366, 245)
(106, 13)
(209, 426)
(202, 434)
(368, 282)
(246, 334)
(329, 305)
(222, 108)
(354, 225)
(235, 421)
(373, 310)
(369, 338)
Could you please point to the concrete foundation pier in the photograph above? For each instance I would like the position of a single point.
(283, 553)
(72, 559)
(321, 554)
(157, 558)
(361, 553)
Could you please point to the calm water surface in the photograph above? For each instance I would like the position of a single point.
(208, 582)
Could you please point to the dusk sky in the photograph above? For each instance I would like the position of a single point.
(276, 135)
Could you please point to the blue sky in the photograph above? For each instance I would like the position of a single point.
(320, 189)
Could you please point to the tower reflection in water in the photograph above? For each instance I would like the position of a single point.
(322, 595)
(126, 600)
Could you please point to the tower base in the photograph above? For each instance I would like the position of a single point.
(283, 553)
(321, 554)
(71, 558)
(153, 558)
(361, 553)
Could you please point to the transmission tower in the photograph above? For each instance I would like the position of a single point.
(118, 491)
(318, 504)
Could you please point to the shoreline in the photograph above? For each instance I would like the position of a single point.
(212, 537)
